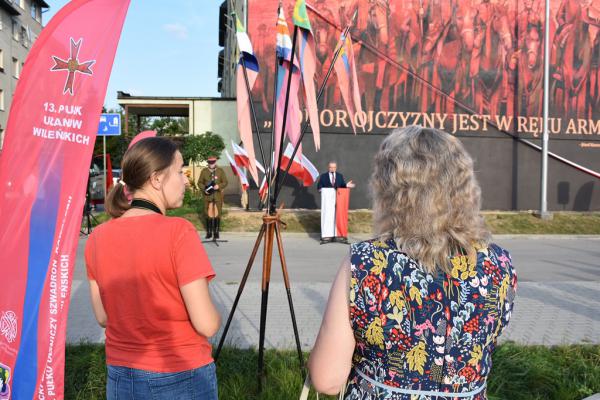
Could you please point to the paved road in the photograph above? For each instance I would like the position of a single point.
(558, 300)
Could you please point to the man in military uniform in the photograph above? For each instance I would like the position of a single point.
(212, 182)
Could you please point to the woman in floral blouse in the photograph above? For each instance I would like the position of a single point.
(416, 312)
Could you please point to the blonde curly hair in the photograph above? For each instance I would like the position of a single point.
(426, 197)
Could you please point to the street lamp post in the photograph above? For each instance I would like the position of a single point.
(543, 212)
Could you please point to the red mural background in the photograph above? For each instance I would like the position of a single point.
(470, 67)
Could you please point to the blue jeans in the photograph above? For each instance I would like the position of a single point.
(124, 383)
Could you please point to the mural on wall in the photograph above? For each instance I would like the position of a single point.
(471, 67)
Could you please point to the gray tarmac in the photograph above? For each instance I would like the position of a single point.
(558, 298)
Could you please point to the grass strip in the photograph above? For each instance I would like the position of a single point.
(360, 221)
(518, 373)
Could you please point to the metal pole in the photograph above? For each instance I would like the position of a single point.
(260, 146)
(104, 161)
(269, 173)
(544, 214)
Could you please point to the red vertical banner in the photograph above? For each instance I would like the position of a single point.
(342, 202)
(43, 174)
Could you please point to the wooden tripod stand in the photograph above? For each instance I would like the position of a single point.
(270, 229)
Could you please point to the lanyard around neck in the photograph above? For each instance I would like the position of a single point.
(146, 205)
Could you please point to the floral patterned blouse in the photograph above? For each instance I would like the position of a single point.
(424, 333)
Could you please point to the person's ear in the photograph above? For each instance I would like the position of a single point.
(156, 180)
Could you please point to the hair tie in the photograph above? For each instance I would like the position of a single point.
(126, 192)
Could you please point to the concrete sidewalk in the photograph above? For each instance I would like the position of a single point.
(558, 299)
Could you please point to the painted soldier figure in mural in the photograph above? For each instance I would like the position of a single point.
(378, 25)
(326, 38)
(212, 182)
(529, 59)
(371, 27)
(493, 46)
(406, 33)
(573, 59)
(439, 14)
(591, 16)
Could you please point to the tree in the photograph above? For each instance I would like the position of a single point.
(167, 126)
(197, 148)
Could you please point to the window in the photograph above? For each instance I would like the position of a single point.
(22, 4)
(24, 36)
(16, 68)
(1, 23)
(34, 11)
(1, 60)
(15, 29)
(1, 100)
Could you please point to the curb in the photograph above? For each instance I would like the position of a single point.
(366, 236)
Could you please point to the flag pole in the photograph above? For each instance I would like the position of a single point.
(307, 122)
(273, 200)
(260, 146)
(273, 112)
(252, 110)
(271, 161)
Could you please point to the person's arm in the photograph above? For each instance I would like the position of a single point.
(331, 358)
(224, 182)
(350, 184)
(202, 181)
(97, 306)
(342, 181)
(319, 183)
(205, 318)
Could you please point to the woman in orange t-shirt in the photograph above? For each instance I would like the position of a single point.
(149, 278)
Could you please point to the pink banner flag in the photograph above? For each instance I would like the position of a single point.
(345, 70)
(44, 170)
(307, 56)
(294, 116)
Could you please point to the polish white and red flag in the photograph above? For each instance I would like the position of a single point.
(237, 171)
(241, 157)
(311, 174)
(301, 166)
(263, 190)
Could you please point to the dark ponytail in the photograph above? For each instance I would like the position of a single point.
(116, 201)
(147, 156)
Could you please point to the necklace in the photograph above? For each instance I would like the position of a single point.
(146, 205)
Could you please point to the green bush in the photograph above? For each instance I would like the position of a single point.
(194, 201)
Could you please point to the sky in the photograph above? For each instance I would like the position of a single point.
(167, 48)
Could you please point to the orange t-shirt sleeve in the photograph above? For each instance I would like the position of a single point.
(90, 250)
(191, 261)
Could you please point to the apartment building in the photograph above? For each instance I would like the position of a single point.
(20, 25)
